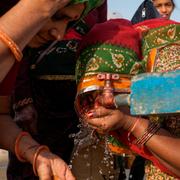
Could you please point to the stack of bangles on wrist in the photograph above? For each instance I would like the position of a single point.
(148, 133)
(39, 148)
(11, 45)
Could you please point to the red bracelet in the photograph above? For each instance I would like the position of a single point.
(19, 137)
(12, 45)
(39, 149)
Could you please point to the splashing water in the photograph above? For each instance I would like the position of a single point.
(89, 140)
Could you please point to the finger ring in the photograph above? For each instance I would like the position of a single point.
(90, 114)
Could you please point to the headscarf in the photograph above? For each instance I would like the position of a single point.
(112, 47)
(5, 5)
(90, 4)
(160, 44)
(145, 11)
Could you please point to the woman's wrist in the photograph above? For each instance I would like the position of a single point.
(140, 129)
(135, 125)
(41, 152)
(27, 148)
(129, 122)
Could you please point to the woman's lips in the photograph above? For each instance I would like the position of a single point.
(42, 40)
(164, 16)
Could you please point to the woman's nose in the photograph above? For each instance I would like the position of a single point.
(163, 9)
(55, 34)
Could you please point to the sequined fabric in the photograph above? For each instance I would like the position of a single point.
(152, 173)
(165, 41)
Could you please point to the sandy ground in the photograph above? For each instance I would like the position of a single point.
(3, 164)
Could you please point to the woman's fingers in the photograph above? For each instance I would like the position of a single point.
(69, 175)
(63, 3)
(54, 168)
(103, 119)
(98, 112)
(44, 171)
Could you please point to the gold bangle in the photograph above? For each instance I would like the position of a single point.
(132, 129)
(20, 135)
(39, 149)
(12, 45)
(149, 132)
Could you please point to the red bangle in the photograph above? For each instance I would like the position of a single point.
(19, 137)
(39, 149)
(12, 45)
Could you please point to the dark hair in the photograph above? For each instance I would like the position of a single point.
(5, 5)
(145, 11)
(174, 5)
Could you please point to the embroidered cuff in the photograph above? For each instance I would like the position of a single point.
(22, 103)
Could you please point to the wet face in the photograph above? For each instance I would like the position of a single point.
(56, 27)
(164, 7)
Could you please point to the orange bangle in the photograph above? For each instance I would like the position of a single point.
(39, 149)
(132, 129)
(12, 45)
(20, 135)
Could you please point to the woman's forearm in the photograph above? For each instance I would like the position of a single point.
(25, 19)
(21, 23)
(8, 132)
(162, 144)
(170, 167)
